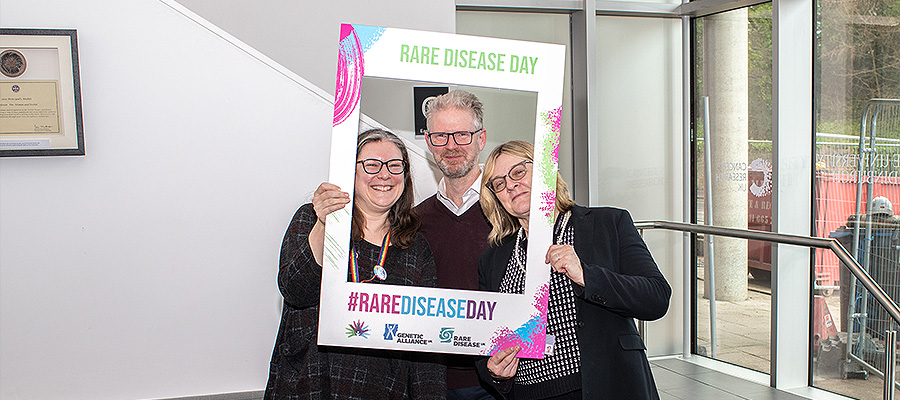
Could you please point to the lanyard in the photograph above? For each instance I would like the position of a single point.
(379, 271)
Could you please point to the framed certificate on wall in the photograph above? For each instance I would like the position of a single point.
(40, 93)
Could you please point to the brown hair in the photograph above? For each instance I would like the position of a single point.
(502, 222)
(404, 224)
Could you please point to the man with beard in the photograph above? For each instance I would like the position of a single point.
(452, 220)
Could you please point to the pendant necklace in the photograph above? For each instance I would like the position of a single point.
(378, 271)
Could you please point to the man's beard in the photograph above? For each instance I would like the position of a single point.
(454, 171)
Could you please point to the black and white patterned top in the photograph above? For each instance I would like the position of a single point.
(561, 321)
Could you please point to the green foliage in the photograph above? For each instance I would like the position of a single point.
(760, 71)
(857, 58)
(760, 150)
(839, 127)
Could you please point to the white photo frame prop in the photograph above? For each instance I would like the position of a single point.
(431, 319)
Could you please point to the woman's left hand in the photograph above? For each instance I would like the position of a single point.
(562, 259)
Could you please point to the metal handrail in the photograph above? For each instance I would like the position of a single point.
(783, 238)
(807, 241)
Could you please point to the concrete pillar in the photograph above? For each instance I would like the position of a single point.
(725, 81)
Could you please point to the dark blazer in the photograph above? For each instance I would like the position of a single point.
(622, 282)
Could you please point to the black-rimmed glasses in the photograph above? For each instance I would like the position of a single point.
(373, 166)
(461, 138)
(517, 172)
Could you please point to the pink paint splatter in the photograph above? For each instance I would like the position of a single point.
(531, 335)
(548, 202)
(349, 74)
(554, 118)
(554, 155)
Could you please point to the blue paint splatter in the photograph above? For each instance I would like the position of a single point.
(368, 35)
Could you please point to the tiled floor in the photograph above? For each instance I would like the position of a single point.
(743, 338)
(744, 328)
(679, 379)
(675, 379)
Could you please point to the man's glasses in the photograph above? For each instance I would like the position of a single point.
(461, 138)
(373, 166)
(517, 172)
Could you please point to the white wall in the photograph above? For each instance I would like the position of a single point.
(638, 153)
(147, 268)
(301, 35)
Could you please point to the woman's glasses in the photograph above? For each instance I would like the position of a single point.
(517, 172)
(373, 166)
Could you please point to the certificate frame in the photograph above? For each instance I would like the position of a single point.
(36, 124)
(436, 319)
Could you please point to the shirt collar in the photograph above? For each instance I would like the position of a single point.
(470, 197)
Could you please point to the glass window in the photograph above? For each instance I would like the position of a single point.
(732, 79)
(857, 184)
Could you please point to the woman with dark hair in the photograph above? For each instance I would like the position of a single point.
(602, 278)
(386, 249)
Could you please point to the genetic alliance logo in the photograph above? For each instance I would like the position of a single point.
(390, 330)
(358, 328)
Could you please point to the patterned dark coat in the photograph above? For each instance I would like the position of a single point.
(301, 369)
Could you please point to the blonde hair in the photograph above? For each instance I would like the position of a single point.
(502, 222)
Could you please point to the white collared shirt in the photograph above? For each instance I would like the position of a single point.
(469, 198)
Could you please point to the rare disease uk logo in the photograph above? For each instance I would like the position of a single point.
(446, 335)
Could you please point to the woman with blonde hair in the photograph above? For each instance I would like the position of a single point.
(602, 278)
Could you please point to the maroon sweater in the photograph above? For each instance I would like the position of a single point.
(457, 243)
